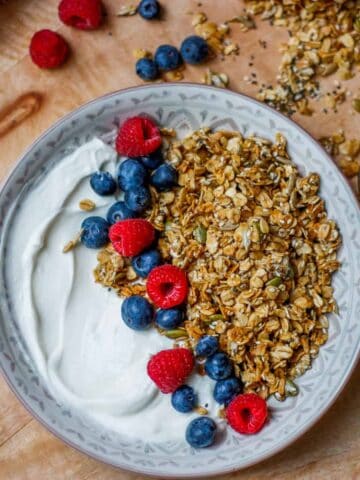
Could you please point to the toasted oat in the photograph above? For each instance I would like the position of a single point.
(220, 80)
(87, 205)
(72, 243)
(141, 53)
(345, 151)
(127, 10)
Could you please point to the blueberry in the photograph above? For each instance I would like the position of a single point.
(167, 57)
(194, 50)
(145, 262)
(131, 174)
(153, 160)
(226, 390)
(218, 366)
(103, 183)
(170, 318)
(95, 232)
(137, 312)
(146, 69)
(200, 432)
(119, 211)
(183, 399)
(149, 9)
(164, 177)
(206, 346)
(138, 199)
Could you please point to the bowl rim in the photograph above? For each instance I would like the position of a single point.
(63, 120)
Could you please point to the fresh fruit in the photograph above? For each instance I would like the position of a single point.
(138, 199)
(167, 286)
(146, 69)
(149, 9)
(183, 399)
(138, 136)
(119, 211)
(164, 177)
(48, 49)
(82, 14)
(167, 57)
(200, 432)
(94, 232)
(226, 390)
(169, 369)
(247, 413)
(153, 160)
(207, 346)
(194, 50)
(130, 237)
(218, 366)
(169, 319)
(131, 174)
(103, 183)
(137, 312)
(145, 262)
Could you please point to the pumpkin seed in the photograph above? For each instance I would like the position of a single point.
(291, 389)
(274, 282)
(200, 234)
(176, 333)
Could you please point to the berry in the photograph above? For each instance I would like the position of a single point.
(200, 432)
(95, 232)
(138, 136)
(138, 200)
(207, 346)
(131, 174)
(170, 318)
(103, 183)
(164, 177)
(130, 237)
(183, 399)
(137, 312)
(194, 50)
(145, 262)
(226, 390)
(146, 69)
(169, 369)
(82, 14)
(167, 286)
(119, 211)
(167, 57)
(218, 366)
(48, 49)
(247, 413)
(149, 9)
(153, 160)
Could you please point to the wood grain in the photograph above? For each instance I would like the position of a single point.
(101, 62)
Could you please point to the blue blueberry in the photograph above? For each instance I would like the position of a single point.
(95, 232)
(138, 199)
(119, 211)
(200, 432)
(226, 390)
(164, 177)
(169, 318)
(131, 174)
(149, 9)
(183, 399)
(137, 312)
(167, 57)
(207, 346)
(194, 50)
(146, 69)
(153, 160)
(218, 366)
(103, 183)
(145, 262)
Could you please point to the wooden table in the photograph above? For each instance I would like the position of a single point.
(101, 62)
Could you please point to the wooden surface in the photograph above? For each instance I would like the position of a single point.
(101, 62)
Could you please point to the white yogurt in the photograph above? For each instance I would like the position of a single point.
(73, 328)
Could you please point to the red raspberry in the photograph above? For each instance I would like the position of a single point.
(167, 286)
(82, 14)
(130, 237)
(48, 49)
(138, 136)
(169, 369)
(247, 413)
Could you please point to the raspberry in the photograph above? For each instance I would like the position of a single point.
(167, 286)
(138, 136)
(130, 237)
(169, 369)
(82, 14)
(48, 49)
(247, 413)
